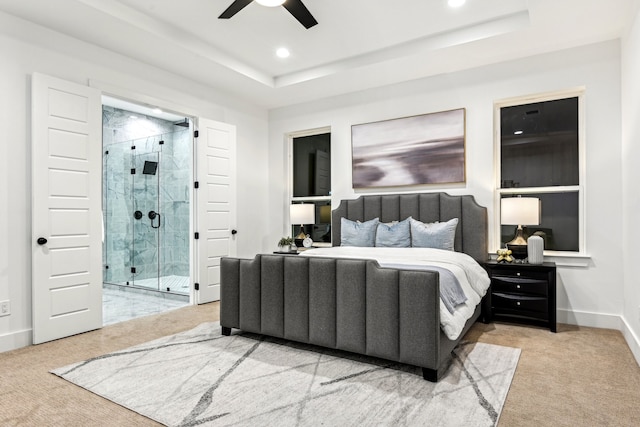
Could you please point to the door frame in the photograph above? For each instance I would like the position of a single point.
(166, 108)
(144, 101)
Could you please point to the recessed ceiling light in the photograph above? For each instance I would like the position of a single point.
(283, 52)
(270, 3)
(157, 111)
(456, 3)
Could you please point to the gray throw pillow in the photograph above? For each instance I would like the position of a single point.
(438, 235)
(394, 235)
(356, 233)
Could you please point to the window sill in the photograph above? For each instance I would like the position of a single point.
(562, 259)
(569, 259)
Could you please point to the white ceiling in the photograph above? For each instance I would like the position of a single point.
(358, 44)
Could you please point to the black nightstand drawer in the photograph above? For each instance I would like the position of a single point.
(519, 271)
(520, 285)
(520, 303)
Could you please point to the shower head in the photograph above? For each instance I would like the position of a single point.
(150, 168)
(184, 123)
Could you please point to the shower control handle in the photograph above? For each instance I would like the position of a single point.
(152, 215)
(41, 241)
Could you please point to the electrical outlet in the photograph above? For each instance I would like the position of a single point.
(5, 308)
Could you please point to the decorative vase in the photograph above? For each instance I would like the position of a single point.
(535, 250)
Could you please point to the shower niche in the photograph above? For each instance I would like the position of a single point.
(146, 198)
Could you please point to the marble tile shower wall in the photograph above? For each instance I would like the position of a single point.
(131, 242)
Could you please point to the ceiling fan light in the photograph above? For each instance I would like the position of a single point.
(270, 3)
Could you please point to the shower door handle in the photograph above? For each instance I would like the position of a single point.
(153, 215)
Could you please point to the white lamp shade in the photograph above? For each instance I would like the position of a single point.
(270, 3)
(303, 213)
(520, 211)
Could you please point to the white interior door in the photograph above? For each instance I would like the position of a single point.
(215, 150)
(66, 202)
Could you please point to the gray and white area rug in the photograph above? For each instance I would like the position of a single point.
(200, 377)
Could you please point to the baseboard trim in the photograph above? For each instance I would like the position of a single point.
(15, 340)
(589, 319)
(632, 340)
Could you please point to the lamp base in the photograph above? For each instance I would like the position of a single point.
(518, 251)
(300, 237)
(518, 246)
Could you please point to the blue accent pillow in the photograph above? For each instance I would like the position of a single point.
(356, 233)
(437, 235)
(394, 235)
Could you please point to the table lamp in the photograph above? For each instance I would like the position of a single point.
(519, 211)
(302, 213)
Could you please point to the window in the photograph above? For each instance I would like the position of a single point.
(310, 180)
(540, 147)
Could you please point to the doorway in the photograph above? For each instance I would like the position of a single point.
(146, 212)
(68, 233)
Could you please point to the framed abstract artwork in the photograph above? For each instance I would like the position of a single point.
(424, 149)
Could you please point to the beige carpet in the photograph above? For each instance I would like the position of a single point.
(577, 377)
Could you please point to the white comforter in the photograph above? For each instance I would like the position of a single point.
(472, 277)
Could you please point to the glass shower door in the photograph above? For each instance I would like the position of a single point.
(146, 205)
(147, 220)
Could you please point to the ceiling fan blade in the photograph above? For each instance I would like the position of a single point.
(235, 7)
(300, 12)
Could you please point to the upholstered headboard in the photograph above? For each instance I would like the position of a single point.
(472, 231)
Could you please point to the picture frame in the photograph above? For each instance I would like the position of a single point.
(416, 150)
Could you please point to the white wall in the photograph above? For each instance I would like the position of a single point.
(591, 295)
(631, 178)
(78, 62)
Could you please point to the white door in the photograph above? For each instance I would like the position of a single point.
(66, 201)
(215, 151)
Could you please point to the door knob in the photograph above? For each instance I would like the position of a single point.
(41, 240)
(234, 231)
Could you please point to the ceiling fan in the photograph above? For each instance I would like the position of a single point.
(295, 7)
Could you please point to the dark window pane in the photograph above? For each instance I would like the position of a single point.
(312, 165)
(558, 223)
(539, 144)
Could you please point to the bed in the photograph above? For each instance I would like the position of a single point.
(367, 300)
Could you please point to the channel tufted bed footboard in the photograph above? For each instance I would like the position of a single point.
(357, 304)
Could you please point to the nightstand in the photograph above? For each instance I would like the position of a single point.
(523, 293)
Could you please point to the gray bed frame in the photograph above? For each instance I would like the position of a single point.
(353, 304)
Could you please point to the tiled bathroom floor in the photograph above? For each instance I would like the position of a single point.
(120, 303)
